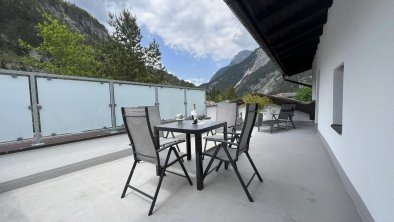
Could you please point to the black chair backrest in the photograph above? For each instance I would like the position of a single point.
(259, 120)
(154, 118)
(136, 121)
(226, 112)
(250, 118)
(287, 111)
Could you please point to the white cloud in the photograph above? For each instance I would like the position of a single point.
(196, 81)
(202, 28)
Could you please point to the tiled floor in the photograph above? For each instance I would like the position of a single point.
(300, 184)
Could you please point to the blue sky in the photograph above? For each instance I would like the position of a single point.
(196, 38)
(183, 64)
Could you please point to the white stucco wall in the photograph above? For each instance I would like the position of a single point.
(360, 34)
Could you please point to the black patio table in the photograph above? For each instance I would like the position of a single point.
(197, 129)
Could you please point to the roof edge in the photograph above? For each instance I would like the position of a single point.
(238, 9)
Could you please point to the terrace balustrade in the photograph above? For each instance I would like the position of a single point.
(37, 105)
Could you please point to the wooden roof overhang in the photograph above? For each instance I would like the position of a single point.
(287, 30)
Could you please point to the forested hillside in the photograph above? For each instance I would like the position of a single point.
(55, 36)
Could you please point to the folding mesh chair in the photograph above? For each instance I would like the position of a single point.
(145, 148)
(285, 115)
(155, 119)
(259, 121)
(229, 152)
(224, 112)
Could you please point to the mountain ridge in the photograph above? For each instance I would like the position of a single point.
(240, 56)
(256, 73)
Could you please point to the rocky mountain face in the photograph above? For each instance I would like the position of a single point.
(240, 56)
(19, 18)
(254, 73)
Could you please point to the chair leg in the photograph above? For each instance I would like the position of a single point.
(180, 160)
(157, 191)
(211, 161)
(218, 167)
(180, 151)
(205, 147)
(234, 165)
(254, 167)
(226, 165)
(172, 134)
(128, 179)
(177, 147)
(293, 124)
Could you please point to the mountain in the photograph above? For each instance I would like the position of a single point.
(19, 18)
(240, 56)
(255, 73)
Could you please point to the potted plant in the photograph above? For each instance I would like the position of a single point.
(262, 101)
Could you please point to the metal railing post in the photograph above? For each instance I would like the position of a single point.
(112, 105)
(156, 96)
(35, 110)
(185, 102)
(205, 103)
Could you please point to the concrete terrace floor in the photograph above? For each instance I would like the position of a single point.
(300, 184)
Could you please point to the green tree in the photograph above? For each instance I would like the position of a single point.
(213, 94)
(230, 93)
(304, 94)
(126, 57)
(152, 56)
(63, 50)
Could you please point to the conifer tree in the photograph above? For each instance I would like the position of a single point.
(153, 56)
(230, 93)
(126, 58)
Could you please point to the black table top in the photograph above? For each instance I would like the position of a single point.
(189, 127)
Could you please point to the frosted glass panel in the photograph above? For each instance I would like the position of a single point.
(15, 117)
(70, 106)
(197, 97)
(132, 96)
(172, 102)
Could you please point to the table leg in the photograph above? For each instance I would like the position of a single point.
(188, 147)
(199, 170)
(225, 138)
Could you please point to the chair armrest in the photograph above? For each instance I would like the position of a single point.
(233, 133)
(165, 146)
(231, 126)
(222, 141)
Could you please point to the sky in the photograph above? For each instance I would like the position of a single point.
(196, 37)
